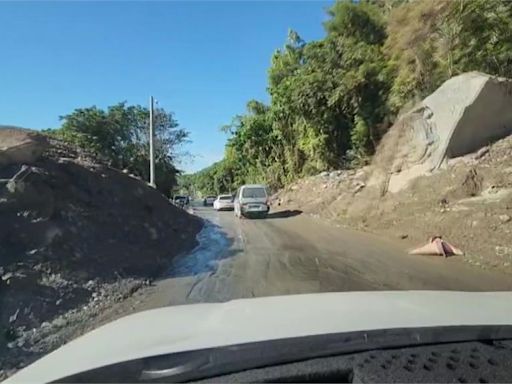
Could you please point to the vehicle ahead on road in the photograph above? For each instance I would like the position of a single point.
(180, 201)
(224, 203)
(209, 200)
(411, 336)
(252, 200)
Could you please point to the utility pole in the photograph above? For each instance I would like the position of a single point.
(151, 145)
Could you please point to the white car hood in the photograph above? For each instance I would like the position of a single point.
(198, 326)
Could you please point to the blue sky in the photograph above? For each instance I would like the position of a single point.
(201, 60)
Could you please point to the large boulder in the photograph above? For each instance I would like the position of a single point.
(466, 113)
(19, 145)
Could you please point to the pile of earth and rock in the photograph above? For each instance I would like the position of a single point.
(75, 237)
(443, 169)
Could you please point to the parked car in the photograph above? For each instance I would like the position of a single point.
(209, 200)
(224, 202)
(252, 200)
(180, 201)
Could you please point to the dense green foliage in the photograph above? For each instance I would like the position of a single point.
(431, 41)
(119, 134)
(332, 100)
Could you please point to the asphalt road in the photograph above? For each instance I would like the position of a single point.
(283, 254)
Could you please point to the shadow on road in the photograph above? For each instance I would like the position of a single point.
(284, 214)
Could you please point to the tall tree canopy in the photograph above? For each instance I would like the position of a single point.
(120, 135)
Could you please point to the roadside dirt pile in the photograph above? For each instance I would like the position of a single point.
(73, 233)
(435, 173)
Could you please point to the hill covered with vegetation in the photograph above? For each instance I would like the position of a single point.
(118, 135)
(332, 100)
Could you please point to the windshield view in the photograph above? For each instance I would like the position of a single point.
(256, 191)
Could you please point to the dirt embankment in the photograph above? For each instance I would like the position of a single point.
(424, 181)
(75, 236)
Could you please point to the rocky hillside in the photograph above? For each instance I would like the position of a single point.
(435, 173)
(71, 229)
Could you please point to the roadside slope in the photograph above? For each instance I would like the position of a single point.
(424, 181)
(74, 233)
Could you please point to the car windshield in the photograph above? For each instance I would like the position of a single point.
(195, 153)
(254, 192)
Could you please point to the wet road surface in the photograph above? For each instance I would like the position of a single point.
(240, 258)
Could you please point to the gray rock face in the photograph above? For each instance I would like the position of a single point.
(464, 114)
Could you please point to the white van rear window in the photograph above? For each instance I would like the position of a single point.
(252, 193)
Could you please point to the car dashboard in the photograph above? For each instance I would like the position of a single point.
(430, 354)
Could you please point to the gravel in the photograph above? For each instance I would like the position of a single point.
(106, 303)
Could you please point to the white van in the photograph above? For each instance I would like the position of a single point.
(252, 200)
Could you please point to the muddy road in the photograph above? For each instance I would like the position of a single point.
(283, 254)
(291, 253)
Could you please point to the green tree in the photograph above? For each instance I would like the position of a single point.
(333, 99)
(430, 41)
(119, 134)
(483, 40)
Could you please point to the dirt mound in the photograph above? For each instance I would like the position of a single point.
(467, 112)
(69, 225)
(20, 145)
(468, 202)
